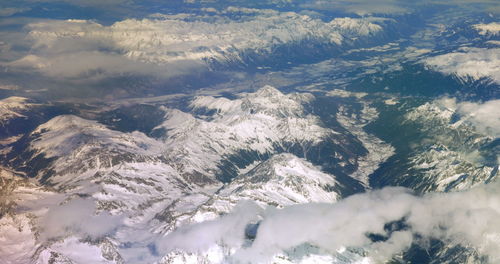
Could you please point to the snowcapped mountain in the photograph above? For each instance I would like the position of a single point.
(240, 131)
(282, 180)
(264, 146)
(456, 161)
(205, 161)
(20, 115)
(266, 131)
(78, 145)
(178, 44)
(63, 134)
(212, 144)
(449, 149)
(12, 107)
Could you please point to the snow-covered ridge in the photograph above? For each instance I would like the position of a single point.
(267, 100)
(156, 185)
(451, 158)
(482, 117)
(280, 181)
(74, 149)
(12, 107)
(468, 62)
(283, 180)
(64, 134)
(195, 145)
(488, 29)
(256, 123)
(163, 39)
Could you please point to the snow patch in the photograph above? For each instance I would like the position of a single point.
(63, 134)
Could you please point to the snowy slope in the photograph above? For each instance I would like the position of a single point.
(153, 185)
(64, 134)
(13, 107)
(78, 146)
(282, 180)
(195, 146)
(453, 157)
(258, 124)
(21, 201)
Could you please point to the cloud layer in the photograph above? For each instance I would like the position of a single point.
(469, 62)
(485, 117)
(468, 218)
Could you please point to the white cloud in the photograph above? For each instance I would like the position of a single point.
(469, 62)
(484, 116)
(227, 231)
(468, 218)
(77, 217)
(94, 65)
(488, 29)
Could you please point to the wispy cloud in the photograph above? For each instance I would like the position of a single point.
(484, 116)
(77, 217)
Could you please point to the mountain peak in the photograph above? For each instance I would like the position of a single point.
(12, 107)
